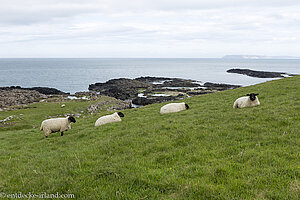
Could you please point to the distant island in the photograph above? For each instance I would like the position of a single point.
(260, 74)
(258, 57)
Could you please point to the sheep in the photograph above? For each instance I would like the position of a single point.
(173, 107)
(115, 117)
(247, 101)
(56, 125)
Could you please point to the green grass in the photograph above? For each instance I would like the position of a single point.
(210, 151)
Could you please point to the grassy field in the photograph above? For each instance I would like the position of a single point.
(210, 151)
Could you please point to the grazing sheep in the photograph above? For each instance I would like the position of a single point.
(116, 117)
(173, 107)
(56, 125)
(250, 100)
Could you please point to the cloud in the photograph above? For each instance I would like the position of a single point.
(159, 28)
(35, 11)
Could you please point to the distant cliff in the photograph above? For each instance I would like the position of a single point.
(258, 57)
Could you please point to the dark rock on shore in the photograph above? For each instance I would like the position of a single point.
(48, 91)
(151, 79)
(42, 90)
(259, 74)
(145, 101)
(121, 88)
(220, 87)
(168, 82)
(180, 83)
(194, 93)
(148, 90)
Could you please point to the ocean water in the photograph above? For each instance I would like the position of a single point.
(73, 75)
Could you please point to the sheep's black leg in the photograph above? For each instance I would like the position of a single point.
(46, 136)
(62, 133)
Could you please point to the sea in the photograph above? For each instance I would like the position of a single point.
(75, 74)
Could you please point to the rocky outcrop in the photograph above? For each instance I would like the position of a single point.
(12, 96)
(42, 90)
(121, 88)
(168, 82)
(195, 93)
(155, 89)
(180, 83)
(145, 101)
(220, 87)
(259, 74)
(48, 91)
(110, 104)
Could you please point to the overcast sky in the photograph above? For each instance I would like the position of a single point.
(149, 28)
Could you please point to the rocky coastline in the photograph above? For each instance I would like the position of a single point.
(125, 92)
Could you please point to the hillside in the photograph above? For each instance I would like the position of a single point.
(210, 151)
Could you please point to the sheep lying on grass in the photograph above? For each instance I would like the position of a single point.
(247, 101)
(56, 125)
(173, 107)
(116, 117)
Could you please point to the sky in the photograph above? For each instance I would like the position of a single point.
(148, 28)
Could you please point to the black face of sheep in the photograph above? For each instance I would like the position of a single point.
(71, 119)
(187, 106)
(252, 96)
(120, 114)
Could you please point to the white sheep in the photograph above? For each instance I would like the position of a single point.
(247, 101)
(173, 107)
(115, 117)
(56, 125)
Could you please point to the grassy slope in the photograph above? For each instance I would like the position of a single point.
(210, 151)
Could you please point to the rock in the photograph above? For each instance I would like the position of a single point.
(42, 90)
(145, 101)
(180, 83)
(218, 86)
(13, 96)
(21, 114)
(48, 91)
(124, 88)
(194, 93)
(92, 95)
(168, 82)
(151, 79)
(121, 88)
(77, 115)
(8, 118)
(259, 74)
(109, 105)
(129, 89)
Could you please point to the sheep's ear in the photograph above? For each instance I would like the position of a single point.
(256, 94)
(72, 119)
(120, 114)
(247, 94)
(187, 106)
